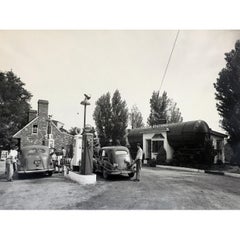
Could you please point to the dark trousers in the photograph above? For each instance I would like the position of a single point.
(138, 168)
(14, 167)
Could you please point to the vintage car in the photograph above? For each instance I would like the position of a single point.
(35, 158)
(114, 160)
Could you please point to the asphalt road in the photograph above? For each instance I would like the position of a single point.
(158, 189)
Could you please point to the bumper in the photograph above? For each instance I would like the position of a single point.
(35, 170)
(119, 172)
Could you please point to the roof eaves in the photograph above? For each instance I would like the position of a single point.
(60, 130)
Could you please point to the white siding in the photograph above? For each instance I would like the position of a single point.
(167, 147)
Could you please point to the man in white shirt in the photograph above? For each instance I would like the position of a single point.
(11, 163)
(14, 155)
(138, 161)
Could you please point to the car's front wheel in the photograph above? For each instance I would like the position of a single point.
(105, 174)
(131, 174)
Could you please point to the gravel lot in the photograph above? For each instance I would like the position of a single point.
(158, 189)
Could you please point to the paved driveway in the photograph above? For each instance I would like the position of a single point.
(158, 189)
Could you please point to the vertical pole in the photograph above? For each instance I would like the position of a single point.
(84, 123)
(82, 170)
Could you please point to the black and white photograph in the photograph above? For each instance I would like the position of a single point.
(162, 114)
(140, 120)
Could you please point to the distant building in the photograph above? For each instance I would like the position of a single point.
(41, 130)
(219, 141)
(182, 141)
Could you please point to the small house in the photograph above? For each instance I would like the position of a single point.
(42, 130)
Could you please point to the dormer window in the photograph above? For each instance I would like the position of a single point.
(35, 129)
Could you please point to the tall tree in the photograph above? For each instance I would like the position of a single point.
(102, 116)
(135, 117)
(158, 105)
(119, 117)
(163, 110)
(14, 106)
(111, 117)
(174, 113)
(228, 97)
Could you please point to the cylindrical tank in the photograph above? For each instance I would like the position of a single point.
(193, 133)
(135, 136)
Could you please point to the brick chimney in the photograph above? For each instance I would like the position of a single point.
(31, 115)
(43, 108)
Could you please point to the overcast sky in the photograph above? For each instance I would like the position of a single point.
(60, 66)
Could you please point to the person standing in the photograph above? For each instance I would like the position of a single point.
(62, 158)
(11, 164)
(64, 152)
(14, 154)
(54, 159)
(138, 161)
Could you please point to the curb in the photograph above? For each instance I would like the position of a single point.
(80, 179)
(232, 174)
(236, 175)
(180, 168)
(214, 172)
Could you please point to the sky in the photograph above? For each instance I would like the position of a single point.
(60, 66)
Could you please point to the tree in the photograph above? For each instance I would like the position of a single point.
(102, 117)
(14, 106)
(174, 113)
(135, 117)
(119, 117)
(111, 117)
(163, 110)
(158, 105)
(228, 97)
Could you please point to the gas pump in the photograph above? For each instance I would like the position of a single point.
(77, 152)
(87, 154)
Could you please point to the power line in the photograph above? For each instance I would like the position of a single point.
(169, 59)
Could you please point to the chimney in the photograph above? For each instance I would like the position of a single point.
(43, 108)
(31, 115)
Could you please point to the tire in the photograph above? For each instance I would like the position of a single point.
(105, 174)
(50, 173)
(75, 168)
(94, 163)
(131, 174)
(20, 175)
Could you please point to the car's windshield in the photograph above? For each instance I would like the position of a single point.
(34, 151)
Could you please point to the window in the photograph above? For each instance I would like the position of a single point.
(122, 156)
(51, 143)
(121, 152)
(156, 145)
(104, 154)
(219, 144)
(31, 152)
(35, 128)
(41, 150)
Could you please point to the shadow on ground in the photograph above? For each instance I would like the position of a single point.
(17, 177)
(113, 178)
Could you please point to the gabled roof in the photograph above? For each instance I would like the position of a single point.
(158, 135)
(61, 130)
(15, 135)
